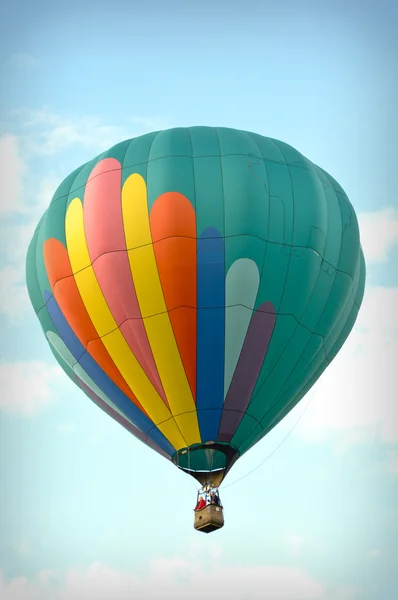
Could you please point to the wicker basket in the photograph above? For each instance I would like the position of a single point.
(209, 518)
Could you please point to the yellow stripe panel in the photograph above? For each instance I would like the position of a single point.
(151, 300)
(106, 326)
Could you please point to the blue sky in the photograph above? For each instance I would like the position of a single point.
(319, 520)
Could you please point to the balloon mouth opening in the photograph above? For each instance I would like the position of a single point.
(207, 462)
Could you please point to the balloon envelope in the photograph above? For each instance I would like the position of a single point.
(195, 283)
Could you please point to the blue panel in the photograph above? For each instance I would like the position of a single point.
(210, 332)
(101, 379)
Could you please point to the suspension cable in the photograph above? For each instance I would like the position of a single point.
(275, 449)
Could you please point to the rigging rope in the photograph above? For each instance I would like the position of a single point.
(275, 449)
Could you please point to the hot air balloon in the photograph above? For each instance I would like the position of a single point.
(195, 283)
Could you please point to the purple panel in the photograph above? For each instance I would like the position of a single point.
(247, 370)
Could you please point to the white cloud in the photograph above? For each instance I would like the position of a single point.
(12, 171)
(14, 298)
(379, 233)
(169, 579)
(51, 133)
(25, 196)
(28, 387)
(356, 397)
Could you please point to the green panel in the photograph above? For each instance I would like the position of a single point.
(79, 185)
(52, 226)
(312, 356)
(245, 198)
(204, 142)
(350, 239)
(334, 308)
(310, 211)
(293, 157)
(209, 194)
(303, 273)
(273, 278)
(252, 438)
(140, 169)
(137, 156)
(268, 148)
(361, 280)
(280, 229)
(287, 403)
(248, 430)
(170, 174)
(345, 331)
(233, 141)
(202, 460)
(283, 332)
(340, 323)
(335, 184)
(64, 188)
(334, 228)
(245, 246)
(31, 275)
(117, 152)
(319, 298)
(170, 143)
(274, 380)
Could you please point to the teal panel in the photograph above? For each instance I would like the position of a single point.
(306, 365)
(273, 278)
(233, 141)
(293, 157)
(303, 273)
(79, 185)
(170, 143)
(283, 332)
(248, 430)
(202, 460)
(350, 244)
(334, 232)
(245, 198)
(32, 282)
(137, 156)
(209, 194)
(118, 151)
(340, 323)
(310, 210)
(246, 246)
(269, 149)
(204, 142)
(263, 399)
(256, 434)
(281, 216)
(360, 285)
(64, 188)
(170, 174)
(319, 298)
(336, 342)
(336, 303)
